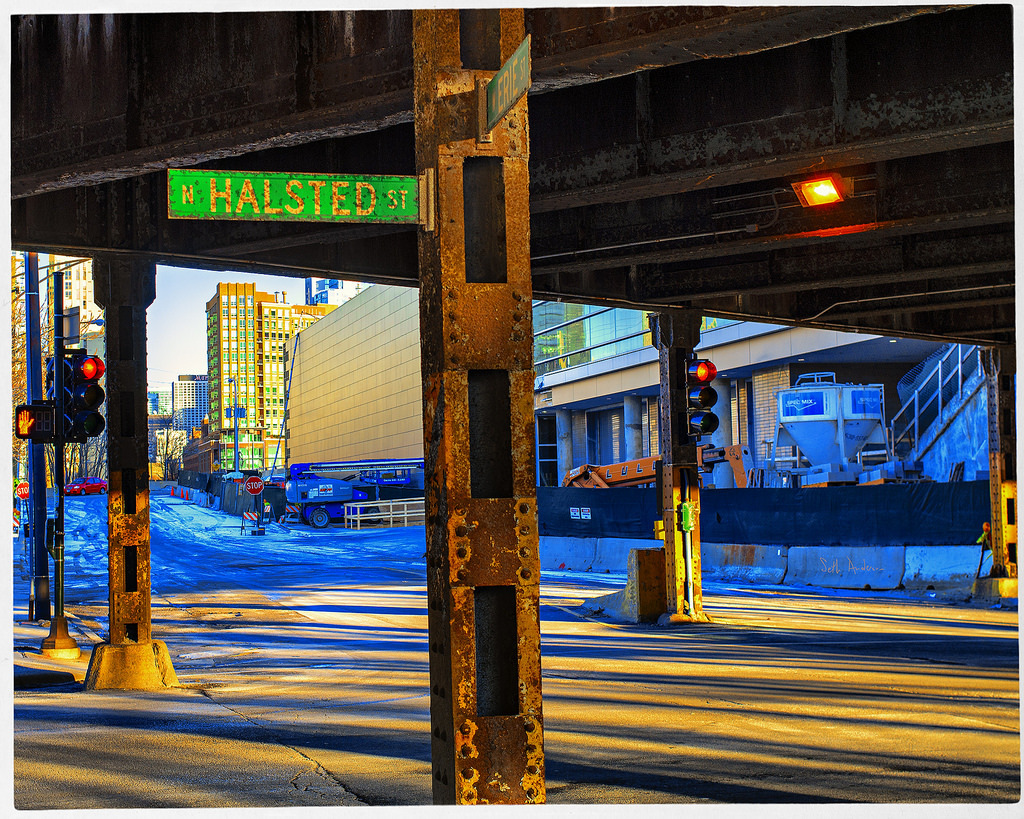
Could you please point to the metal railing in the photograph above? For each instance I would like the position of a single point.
(384, 514)
(941, 388)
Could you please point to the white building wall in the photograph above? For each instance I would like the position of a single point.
(356, 390)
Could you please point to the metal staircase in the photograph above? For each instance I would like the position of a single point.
(941, 389)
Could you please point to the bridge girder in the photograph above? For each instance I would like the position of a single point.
(663, 145)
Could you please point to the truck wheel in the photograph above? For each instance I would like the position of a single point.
(319, 518)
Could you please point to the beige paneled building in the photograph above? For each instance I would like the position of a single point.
(355, 388)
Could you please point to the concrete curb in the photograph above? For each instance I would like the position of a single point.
(589, 554)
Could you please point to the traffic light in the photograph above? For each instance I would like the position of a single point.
(35, 421)
(50, 376)
(82, 397)
(700, 397)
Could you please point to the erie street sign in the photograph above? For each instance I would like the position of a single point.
(295, 197)
(510, 83)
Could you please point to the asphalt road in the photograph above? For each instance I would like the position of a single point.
(303, 667)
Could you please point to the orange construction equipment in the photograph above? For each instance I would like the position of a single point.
(627, 473)
(644, 470)
(737, 456)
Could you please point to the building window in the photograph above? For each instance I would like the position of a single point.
(547, 452)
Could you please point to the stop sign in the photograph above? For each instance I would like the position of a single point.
(254, 484)
(22, 490)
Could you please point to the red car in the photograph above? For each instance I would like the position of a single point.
(86, 486)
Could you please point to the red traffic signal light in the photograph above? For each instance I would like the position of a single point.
(83, 397)
(701, 397)
(700, 372)
(91, 368)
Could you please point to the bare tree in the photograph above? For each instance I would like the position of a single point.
(170, 446)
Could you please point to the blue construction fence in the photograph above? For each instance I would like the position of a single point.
(920, 514)
(230, 496)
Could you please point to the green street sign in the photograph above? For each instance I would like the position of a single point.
(296, 197)
(510, 83)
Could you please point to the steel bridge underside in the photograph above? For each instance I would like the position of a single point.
(663, 145)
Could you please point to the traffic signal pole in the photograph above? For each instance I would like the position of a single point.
(39, 592)
(59, 643)
(675, 334)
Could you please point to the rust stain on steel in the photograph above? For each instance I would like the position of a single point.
(477, 339)
(485, 779)
(475, 542)
(128, 531)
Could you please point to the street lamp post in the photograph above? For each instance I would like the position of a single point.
(234, 414)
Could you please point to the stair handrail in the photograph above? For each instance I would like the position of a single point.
(955, 362)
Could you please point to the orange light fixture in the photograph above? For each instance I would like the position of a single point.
(822, 190)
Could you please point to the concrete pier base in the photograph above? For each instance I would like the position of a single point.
(132, 666)
(59, 644)
(643, 599)
(995, 588)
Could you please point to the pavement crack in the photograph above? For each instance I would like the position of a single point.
(318, 769)
(322, 772)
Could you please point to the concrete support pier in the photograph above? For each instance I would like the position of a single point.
(131, 659)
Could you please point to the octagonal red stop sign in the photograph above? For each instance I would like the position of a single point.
(22, 490)
(254, 484)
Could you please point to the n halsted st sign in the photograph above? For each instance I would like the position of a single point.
(298, 197)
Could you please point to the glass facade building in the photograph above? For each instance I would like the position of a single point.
(568, 335)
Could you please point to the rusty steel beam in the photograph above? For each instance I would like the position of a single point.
(483, 565)
(675, 334)
(131, 658)
(282, 79)
(1000, 368)
(701, 124)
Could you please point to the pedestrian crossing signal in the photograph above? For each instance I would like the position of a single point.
(35, 422)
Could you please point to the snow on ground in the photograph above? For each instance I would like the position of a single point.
(318, 572)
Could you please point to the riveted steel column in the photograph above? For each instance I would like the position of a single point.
(675, 335)
(1000, 368)
(131, 658)
(476, 324)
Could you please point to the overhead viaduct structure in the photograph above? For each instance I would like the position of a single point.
(651, 166)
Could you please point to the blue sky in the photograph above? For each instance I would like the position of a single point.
(176, 320)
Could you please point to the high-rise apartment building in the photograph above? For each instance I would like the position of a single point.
(78, 288)
(331, 291)
(190, 401)
(159, 402)
(246, 334)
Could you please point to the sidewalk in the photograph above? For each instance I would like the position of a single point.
(32, 669)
